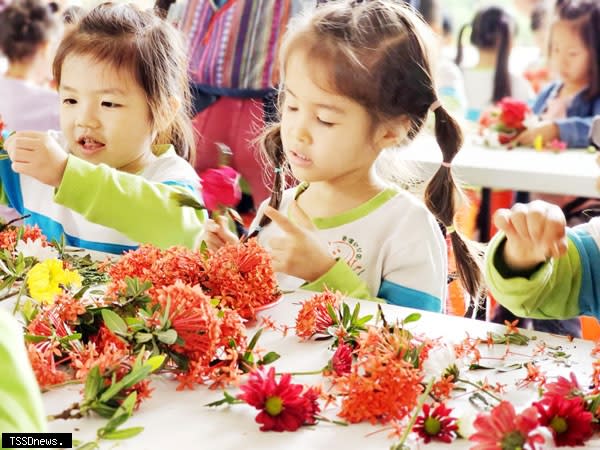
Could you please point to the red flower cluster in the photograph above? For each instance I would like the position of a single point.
(241, 276)
(8, 236)
(283, 406)
(313, 317)
(160, 267)
(506, 117)
(383, 385)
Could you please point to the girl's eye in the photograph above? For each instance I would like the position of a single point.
(69, 101)
(292, 108)
(110, 104)
(325, 123)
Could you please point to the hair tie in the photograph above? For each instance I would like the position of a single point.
(278, 170)
(446, 164)
(450, 229)
(435, 105)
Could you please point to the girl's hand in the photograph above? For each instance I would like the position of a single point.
(38, 155)
(217, 233)
(298, 252)
(548, 132)
(534, 233)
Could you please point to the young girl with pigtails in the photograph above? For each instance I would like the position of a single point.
(357, 80)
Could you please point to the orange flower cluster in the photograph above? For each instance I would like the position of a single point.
(241, 276)
(313, 317)
(8, 236)
(206, 337)
(160, 267)
(383, 385)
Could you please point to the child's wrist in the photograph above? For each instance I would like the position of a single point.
(519, 259)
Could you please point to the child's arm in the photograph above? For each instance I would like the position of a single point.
(410, 272)
(143, 210)
(21, 408)
(535, 269)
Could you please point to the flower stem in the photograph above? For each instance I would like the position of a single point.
(19, 294)
(68, 413)
(413, 419)
(308, 372)
(470, 383)
(337, 422)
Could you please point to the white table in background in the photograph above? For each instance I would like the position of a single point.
(572, 172)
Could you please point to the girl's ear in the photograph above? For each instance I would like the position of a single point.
(392, 133)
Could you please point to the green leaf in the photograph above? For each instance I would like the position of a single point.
(93, 384)
(254, 339)
(132, 378)
(363, 320)
(155, 362)
(169, 337)
(123, 434)
(411, 318)
(114, 322)
(269, 358)
(35, 338)
(185, 199)
(355, 313)
(103, 409)
(140, 337)
(332, 314)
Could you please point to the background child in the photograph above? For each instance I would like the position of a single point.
(536, 267)
(21, 408)
(28, 31)
(492, 33)
(357, 80)
(108, 182)
(568, 105)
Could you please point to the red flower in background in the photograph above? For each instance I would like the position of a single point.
(504, 429)
(436, 424)
(513, 113)
(220, 188)
(566, 418)
(284, 406)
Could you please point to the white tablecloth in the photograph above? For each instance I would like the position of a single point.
(179, 420)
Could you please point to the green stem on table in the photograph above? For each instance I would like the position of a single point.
(9, 294)
(413, 419)
(336, 422)
(470, 383)
(19, 295)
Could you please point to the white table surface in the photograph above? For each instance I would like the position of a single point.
(179, 420)
(572, 172)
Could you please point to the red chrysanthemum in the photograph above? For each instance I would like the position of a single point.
(562, 387)
(566, 418)
(436, 424)
(241, 275)
(504, 429)
(341, 361)
(313, 317)
(283, 406)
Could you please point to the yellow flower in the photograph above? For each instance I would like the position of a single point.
(45, 279)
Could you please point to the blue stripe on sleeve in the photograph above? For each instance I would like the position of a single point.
(54, 231)
(411, 298)
(180, 184)
(11, 182)
(589, 294)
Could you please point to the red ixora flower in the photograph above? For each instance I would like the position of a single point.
(436, 424)
(504, 429)
(313, 317)
(566, 418)
(284, 406)
(512, 113)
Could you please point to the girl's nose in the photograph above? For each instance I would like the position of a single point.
(301, 132)
(88, 118)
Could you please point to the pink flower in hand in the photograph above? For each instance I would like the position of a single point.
(220, 188)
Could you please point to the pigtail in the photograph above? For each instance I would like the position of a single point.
(272, 149)
(502, 84)
(440, 197)
(459, 47)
